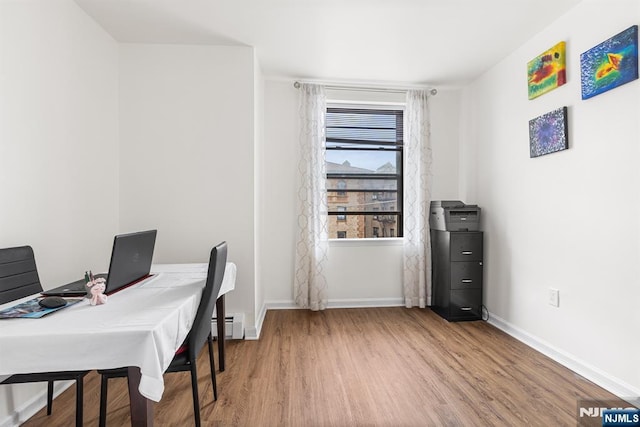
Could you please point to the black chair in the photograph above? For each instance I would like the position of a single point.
(18, 279)
(185, 357)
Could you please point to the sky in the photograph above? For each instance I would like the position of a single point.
(371, 160)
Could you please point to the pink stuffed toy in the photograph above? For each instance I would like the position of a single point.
(97, 287)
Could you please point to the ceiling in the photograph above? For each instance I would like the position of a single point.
(431, 42)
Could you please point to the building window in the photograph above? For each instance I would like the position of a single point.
(364, 154)
(342, 234)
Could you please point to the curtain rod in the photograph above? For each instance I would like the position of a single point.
(432, 91)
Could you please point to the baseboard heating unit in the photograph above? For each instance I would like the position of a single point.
(234, 326)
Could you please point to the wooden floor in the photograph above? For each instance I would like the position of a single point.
(361, 367)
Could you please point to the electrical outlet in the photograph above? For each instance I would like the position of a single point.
(554, 297)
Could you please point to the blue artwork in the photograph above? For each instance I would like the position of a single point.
(548, 133)
(610, 64)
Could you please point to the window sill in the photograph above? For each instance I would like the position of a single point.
(380, 241)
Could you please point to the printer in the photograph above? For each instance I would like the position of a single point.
(454, 215)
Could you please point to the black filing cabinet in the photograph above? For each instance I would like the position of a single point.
(457, 274)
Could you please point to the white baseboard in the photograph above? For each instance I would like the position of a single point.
(253, 332)
(593, 374)
(279, 305)
(31, 407)
(339, 303)
(367, 302)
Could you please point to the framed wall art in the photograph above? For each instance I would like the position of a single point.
(547, 71)
(548, 133)
(610, 64)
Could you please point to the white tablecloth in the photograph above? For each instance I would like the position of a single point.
(198, 271)
(140, 326)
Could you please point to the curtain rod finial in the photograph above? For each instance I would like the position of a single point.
(296, 85)
(433, 91)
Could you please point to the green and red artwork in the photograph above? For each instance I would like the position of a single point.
(547, 71)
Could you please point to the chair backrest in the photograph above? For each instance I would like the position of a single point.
(18, 274)
(202, 324)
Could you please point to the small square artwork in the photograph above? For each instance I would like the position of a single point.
(547, 71)
(548, 133)
(610, 64)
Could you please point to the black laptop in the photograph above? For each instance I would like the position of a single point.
(130, 262)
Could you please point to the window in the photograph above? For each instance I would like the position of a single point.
(364, 170)
(342, 234)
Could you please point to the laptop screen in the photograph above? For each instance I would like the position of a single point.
(130, 258)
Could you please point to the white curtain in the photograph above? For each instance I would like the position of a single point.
(310, 287)
(417, 196)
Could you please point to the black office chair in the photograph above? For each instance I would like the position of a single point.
(185, 357)
(18, 279)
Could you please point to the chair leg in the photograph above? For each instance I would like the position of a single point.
(213, 369)
(194, 389)
(49, 397)
(79, 400)
(103, 401)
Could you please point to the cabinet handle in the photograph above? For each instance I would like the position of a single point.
(467, 281)
(467, 252)
(465, 308)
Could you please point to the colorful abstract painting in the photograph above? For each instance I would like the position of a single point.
(547, 71)
(610, 64)
(548, 133)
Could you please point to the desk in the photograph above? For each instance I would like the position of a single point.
(140, 327)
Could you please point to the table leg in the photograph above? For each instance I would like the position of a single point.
(220, 314)
(141, 407)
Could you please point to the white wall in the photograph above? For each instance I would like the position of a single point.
(58, 147)
(358, 273)
(261, 228)
(278, 182)
(569, 220)
(187, 154)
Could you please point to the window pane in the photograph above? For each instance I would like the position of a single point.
(358, 201)
(358, 162)
(363, 226)
(363, 160)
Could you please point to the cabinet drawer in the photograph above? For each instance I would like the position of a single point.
(466, 303)
(466, 247)
(466, 275)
